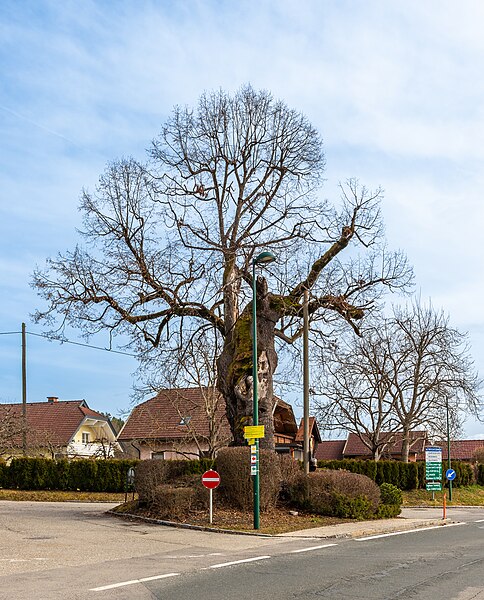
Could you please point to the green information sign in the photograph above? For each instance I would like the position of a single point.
(433, 470)
(433, 486)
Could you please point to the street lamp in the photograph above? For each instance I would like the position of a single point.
(262, 259)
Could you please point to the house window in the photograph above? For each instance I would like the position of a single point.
(158, 455)
(185, 420)
(85, 438)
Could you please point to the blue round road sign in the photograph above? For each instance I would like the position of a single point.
(450, 474)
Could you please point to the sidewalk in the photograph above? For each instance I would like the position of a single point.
(409, 519)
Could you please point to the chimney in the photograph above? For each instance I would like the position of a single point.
(52, 399)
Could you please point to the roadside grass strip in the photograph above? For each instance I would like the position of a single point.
(312, 548)
(383, 535)
(238, 562)
(132, 582)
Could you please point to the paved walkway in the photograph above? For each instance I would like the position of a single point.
(410, 518)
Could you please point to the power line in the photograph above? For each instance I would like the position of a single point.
(64, 341)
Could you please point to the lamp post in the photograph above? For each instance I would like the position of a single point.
(261, 259)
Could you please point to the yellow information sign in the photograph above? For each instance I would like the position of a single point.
(252, 432)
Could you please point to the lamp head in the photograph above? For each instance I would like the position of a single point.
(264, 258)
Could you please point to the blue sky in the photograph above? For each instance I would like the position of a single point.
(394, 87)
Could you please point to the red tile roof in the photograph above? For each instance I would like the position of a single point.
(330, 450)
(58, 421)
(161, 416)
(355, 446)
(459, 449)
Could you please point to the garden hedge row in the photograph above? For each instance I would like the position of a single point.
(406, 476)
(77, 475)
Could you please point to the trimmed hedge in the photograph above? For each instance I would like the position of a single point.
(480, 474)
(87, 475)
(150, 474)
(336, 493)
(406, 476)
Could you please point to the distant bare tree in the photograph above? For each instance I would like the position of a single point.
(355, 396)
(12, 427)
(403, 375)
(172, 242)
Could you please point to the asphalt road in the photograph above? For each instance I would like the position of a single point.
(75, 551)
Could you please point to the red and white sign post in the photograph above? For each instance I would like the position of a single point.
(211, 480)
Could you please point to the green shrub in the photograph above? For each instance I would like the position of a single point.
(336, 493)
(3, 474)
(390, 494)
(480, 474)
(388, 511)
(236, 485)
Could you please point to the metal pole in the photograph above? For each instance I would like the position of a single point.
(306, 380)
(211, 505)
(448, 447)
(24, 391)
(255, 398)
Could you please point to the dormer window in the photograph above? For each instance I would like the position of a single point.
(185, 421)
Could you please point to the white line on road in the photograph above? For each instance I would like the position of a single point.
(312, 548)
(238, 562)
(133, 581)
(382, 535)
(479, 521)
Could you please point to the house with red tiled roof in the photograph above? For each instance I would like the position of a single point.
(55, 428)
(176, 424)
(356, 448)
(330, 450)
(459, 450)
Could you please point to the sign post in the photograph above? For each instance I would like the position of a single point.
(211, 480)
(433, 469)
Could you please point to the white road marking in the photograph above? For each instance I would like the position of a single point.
(382, 535)
(238, 562)
(312, 548)
(133, 581)
(479, 521)
(12, 560)
(194, 555)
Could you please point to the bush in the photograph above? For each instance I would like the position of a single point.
(172, 502)
(480, 474)
(336, 493)
(388, 511)
(90, 475)
(3, 473)
(390, 494)
(290, 470)
(149, 474)
(236, 486)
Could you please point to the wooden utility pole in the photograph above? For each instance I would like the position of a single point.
(24, 391)
(306, 379)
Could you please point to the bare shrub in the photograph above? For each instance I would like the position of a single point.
(290, 471)
(149, 474)
(171, 502)
(478, 455)
(236, 487)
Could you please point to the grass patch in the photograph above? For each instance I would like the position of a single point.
(60, 496)
(472, 495)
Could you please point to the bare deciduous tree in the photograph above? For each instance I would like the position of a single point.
(404, 375)
(172, 244)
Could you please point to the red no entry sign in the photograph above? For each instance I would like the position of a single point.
(211, 479)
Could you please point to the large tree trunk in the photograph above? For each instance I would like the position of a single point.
(235, 369)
